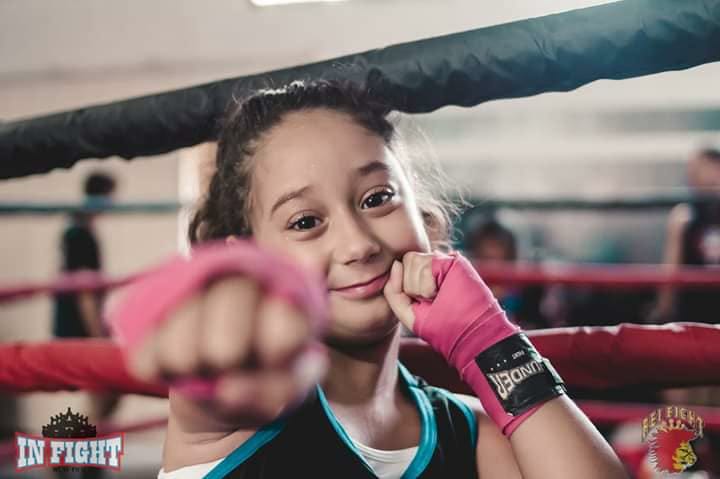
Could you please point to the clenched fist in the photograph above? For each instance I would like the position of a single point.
(260, 350)
(234, 328)
(410, 281)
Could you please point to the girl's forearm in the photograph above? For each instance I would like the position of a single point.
(559, 441)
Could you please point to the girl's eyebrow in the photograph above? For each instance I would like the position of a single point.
(289, 196)
(364, 170)
(372, 167)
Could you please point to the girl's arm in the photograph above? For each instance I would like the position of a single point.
(559, 441)
(444, 301)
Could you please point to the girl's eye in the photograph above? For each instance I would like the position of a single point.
(377, 199)
(305, 223)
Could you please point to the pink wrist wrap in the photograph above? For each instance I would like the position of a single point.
(461, 322)
(155, 295)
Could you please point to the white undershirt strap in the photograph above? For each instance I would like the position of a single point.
(195, 471)
(387, 464)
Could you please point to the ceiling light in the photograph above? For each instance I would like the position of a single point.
(269, 3)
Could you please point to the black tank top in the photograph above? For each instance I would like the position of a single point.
(290, 446)
(701, 247)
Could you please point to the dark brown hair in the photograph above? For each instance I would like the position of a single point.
(99, 183)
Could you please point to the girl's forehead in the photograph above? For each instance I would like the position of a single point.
(315, 142)
(310, 129)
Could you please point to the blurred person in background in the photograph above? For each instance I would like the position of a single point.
(693, 239)
(490, 242)
(79, 315)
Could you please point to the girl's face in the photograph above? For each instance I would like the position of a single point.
(331, 195)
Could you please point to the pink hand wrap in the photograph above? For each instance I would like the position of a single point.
(463, 320)
(155, 295)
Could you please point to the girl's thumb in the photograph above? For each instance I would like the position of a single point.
(400, 303)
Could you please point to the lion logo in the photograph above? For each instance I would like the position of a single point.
(670, 449)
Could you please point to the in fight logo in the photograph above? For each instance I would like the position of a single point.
(669, 432)
(68, 442)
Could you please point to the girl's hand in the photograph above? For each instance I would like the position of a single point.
(233, 327)
(410, 281)
(260, 351)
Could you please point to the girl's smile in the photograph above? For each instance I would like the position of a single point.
(364, 289)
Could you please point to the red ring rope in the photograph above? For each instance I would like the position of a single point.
(617, 276)
(675, 354)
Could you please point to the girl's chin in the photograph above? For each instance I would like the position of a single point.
(364, 330)
(360, 339)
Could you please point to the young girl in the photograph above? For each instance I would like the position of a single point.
(319, 217)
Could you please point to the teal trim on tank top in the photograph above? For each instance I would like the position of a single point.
(469, 414)
(340, 430)
(426, 448)
(428, 428)
(263, 435)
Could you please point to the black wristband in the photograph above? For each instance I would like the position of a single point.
(518, 375)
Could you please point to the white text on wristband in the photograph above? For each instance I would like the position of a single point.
(518, 375)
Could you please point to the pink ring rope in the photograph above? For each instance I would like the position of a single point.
(612, 277)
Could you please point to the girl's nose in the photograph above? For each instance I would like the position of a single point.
(355, 242)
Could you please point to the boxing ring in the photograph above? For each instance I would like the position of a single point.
(558, 53)
(553, 53)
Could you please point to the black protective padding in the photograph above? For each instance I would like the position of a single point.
(558, 52)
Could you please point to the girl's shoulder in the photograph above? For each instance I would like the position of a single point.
(485, 425)
(494, 453)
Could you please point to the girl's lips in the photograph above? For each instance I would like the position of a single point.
(365, 290)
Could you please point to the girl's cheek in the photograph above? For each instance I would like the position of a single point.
(305, 253)
(402, 233)
(310, 256)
